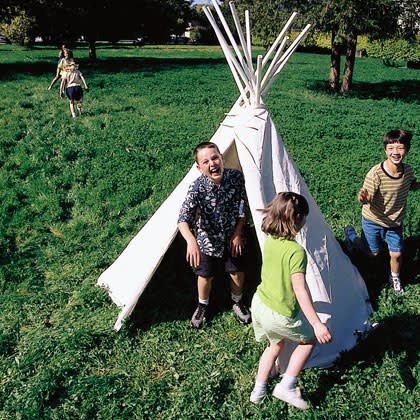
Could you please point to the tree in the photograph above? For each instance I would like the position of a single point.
(267, 17)
(67, 20)
(345, 20)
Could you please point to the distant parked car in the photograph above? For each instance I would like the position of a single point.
(139, 41)
(4, 40)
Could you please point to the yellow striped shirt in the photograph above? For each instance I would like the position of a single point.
(388, 205)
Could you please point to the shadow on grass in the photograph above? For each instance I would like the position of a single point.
(375, 270)
(394, 336)
(109, 65)
(172, 292)
(405, 90)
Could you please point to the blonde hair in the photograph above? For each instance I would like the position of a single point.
(285, 215)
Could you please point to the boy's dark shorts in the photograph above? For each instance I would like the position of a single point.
(209, 266)
(74, 93)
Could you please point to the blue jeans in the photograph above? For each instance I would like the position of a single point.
(375, 234)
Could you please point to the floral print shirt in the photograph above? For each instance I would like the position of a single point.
(212, 211)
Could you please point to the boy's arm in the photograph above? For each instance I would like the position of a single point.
(370, 186)
(236, 241)
(364, 196)
(322, 333)
(415, 186)
(193, 251)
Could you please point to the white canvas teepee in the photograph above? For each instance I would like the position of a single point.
(250, 142)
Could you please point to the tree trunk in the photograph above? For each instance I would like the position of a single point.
(92, 49)
(349, 65)
(334, 78)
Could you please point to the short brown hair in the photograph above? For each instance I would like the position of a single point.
(204, 145)
(284, 215)
(398, 136)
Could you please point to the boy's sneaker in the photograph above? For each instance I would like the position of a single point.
(350, 235)
(291, 396)
(256, 396)
(241, 312)
(199, 316)
(395, 283)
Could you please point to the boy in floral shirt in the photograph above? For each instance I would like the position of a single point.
(211, 221)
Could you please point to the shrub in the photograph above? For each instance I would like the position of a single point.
(20, 30)
(393, 51)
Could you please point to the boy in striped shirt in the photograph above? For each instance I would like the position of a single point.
(384, 198)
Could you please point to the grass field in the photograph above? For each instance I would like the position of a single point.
(74, 192)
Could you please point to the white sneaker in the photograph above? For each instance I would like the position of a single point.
(256, 397)
(395, 283)
(291, 396)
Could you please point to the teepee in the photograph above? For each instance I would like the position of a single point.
(249, 141)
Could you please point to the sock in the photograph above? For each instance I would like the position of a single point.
(395, 275)
(288, 381)
(203, 301)
(236, 298)
(260, 388)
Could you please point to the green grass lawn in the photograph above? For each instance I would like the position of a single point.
(73, 193)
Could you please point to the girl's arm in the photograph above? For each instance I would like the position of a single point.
(62, 86)
(84, 81)
(322, 333)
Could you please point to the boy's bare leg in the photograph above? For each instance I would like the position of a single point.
(394, 280)
(204, 287)
(237, 282)
(200, 314)
(236, 287)
(395, 261)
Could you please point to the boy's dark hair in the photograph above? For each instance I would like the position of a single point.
(398, 136)
(204, 145)
(285, 215)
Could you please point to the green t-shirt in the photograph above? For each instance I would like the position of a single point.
(281, 259)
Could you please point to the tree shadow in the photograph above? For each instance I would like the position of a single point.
(10, 71)
(404, 90)
(387, 338)
(172, 292)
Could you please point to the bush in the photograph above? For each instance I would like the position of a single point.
(20, 30)
(393, 51)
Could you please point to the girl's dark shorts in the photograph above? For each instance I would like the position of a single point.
(74, 93)
(209, 266)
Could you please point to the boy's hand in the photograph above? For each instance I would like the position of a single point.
(236, 245)
(322, 333)
(193, 254)
(364, 196)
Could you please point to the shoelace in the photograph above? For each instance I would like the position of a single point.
(397, 285)
(242, 308)
(201, 311)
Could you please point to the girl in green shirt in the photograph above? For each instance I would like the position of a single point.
(282, 308)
